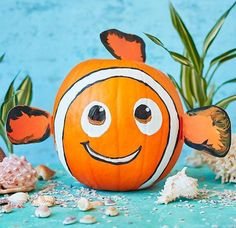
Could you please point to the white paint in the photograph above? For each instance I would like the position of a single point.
(95, 130)
(155, 123)
(121, 160)
(104, 74)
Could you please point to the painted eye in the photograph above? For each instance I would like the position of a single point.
(143, 114)
(147, 116)
(97, 115)
(96, 119)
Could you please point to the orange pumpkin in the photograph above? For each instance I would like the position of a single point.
(118, 124)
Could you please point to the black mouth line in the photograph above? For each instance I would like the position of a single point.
(111, 160)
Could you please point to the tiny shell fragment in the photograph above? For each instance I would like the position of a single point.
(84, 204)
(109, 202)
(88, 219)
(42, 211)
(44, 172)
(18, 198)
(70, 220)
(111, 211)
(7, 208)
(44, 200)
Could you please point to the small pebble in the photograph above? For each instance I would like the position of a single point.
(111, 211)
(83, 204)
(88, 219)
(70, 220)
(42, 211)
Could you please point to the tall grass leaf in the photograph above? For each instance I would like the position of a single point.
(222, 56)
(225, 83)
(226, 101)
(24, 96)
(6, 107)
(214, 31)
(186, 39)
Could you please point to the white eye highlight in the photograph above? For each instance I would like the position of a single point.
(96, 119)
(147, 116)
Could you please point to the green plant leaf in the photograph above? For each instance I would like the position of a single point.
(225, 83)
(188, 106)
(10, 91)
(6, 107)
(24, 95)
(2, 57)
(210, 95)
(214, 31)
(154, 39)
(176, 56)
(226, 101)
(223, 56)
(180, 58)
(186, 85)
(186, 39)
(198, 88)
(5, 138)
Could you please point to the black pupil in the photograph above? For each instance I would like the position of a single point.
(97, 113)
(142, 112)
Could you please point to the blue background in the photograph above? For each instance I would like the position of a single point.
(45, 39)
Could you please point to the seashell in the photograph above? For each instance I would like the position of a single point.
(88, 219)
(7, 208)
(2, 155)
(96, 204)
(18, 198)
(44, 200)
(111, 211)
(42, 211)
(44, 172)
(84, 204)
(16, 174)
(109, 202)
(179, 185)
(70, 220)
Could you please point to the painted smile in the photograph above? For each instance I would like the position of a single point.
(116, 160)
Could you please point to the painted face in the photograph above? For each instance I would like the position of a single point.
(115, 137)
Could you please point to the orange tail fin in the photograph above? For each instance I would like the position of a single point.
(208, 129)
(28, 125)
(124, 46)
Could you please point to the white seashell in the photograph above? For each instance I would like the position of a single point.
(84, 204)
(42, 211)
(88, 219)
(179, 185)
(44, 200)
(96, 204)
(7, 208)
(111, 211)
(18, 198)
(70, 220)
(109, 202)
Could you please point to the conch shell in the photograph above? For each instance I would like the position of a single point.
(16, 175)
(179, 185)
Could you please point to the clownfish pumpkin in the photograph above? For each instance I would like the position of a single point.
(119, 124)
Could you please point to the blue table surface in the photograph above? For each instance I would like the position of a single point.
(137, 208)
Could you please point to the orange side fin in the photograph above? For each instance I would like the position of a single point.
(124, 46)
(28, 125)
(208, 129)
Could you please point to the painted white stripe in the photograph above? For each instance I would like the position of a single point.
(136, 74)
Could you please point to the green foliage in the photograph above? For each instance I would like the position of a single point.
(20, 96)
(195, 86)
